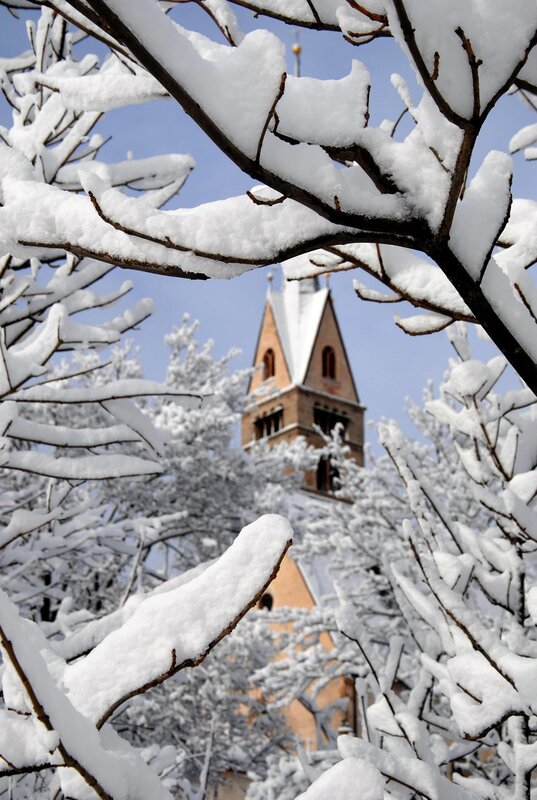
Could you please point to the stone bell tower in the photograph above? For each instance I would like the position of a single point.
(303, 376)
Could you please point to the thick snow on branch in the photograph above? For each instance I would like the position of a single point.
(518, 238)
(331, 113)
(114, 390)
(342, 779)
(485, 208)
(173, 627)
(468, 54)
(68, 736)
(410, 276)
(176, 629)
(141, 174)
(98, 467)
(331, 178)
(237, 98)
(113, 87)
(358, 22)
(210, 240)
(94, 631)
(407, 772)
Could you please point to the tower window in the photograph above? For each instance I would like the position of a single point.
(268, 364)
(329, 363)
(327, 420)
(266, 601)
(269, 424)
(327, 475)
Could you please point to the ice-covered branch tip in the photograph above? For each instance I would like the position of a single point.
(177, 627)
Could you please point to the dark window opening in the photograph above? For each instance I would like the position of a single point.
(329, 363)
(266, 601)
(327, 420)
(268, 364)
(327, 475)
(381, 587)
(47, 612)
(269, 424)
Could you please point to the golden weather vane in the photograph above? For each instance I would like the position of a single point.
(297, 50)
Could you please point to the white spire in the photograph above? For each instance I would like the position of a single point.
(298, 308)
(270, 277)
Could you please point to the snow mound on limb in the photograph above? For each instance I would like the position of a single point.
(422, 777)
(178, 628)
(476, 25)
(482, 213)
(342, 780)
(325, 112)
(235, 96)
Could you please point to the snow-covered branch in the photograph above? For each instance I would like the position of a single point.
(333, 180)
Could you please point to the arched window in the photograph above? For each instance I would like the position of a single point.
(269, 424)
(327, 476)
(266, 601)
(329, 363)
(268, 364)
(327, 419)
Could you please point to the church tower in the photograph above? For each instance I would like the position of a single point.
(303, 376)
(303, 379)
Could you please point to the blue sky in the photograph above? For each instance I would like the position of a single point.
(388, 365)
